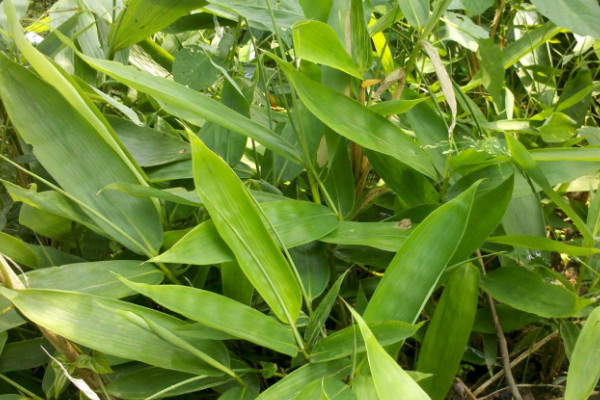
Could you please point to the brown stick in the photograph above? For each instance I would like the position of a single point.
(515, 362)
(501, 341)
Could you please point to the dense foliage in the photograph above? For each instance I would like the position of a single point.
(299, 199)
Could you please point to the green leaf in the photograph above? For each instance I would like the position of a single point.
(584, 369)
(361, 41)
(292, 384)
(343, 343)
(391, 381)
(312, 262)
(142, 18)
(133, 222)
(18, 251)
(522, 157)
(320, 315)
(557, 128)
(449, 330)
(416, 12)
(326, 388)
(257, 12)
(492, 70)
(296, 223)
(391, 107)
(542, 243)
(317, 42)
(149, 147)
(193, 67)
(146, 382)
(91, 320)
(356, 122)
(388, 236)
(412, 275)
(240, 224)
(222, 313)
(515, 285)
(189, 103)
(578, 16)
(589, 154)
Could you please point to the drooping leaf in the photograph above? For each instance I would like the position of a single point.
(343, 343)
(584, 369)
(449, 330)
(356, 122)
(240, 224)
(514, 285)
(189, 103)
(406, 281)
(317, 42)
(557, 128)
(388, 236)
(90, 321)
(542, 243)
(492, 70)
(142, 18)
(222, 313)
(133, 222)
(578, 16)
(416, 12)
(296, 223)
(391, 381)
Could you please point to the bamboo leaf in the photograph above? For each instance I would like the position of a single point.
(356, 122)
(222, 313)
(83, 167)
(239, 222)
(542, 243)
(579, 16)
(584, 369)
(142, 18)
(190, 103)
(407, 281)
(296, 223)
(514, 285)
(391, 381)
(317, 42)
(91, 320)
(342, 343)
(449, 330)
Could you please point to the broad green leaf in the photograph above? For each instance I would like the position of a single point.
(257, 12)
(486, 213)
(590, 154)
(578, 16)
(578, 88)
(557, 128)
(133, 222)
(388, 236)
(45, 223)
(222, 313)
(240, 224)
(292, 384)
(91, 320)
(235, 284)
(149, 147)
(412, 275)
(584, 369)
(356, 122)
(196, 67)
(24, 354)
(239, 393)
(391, 381)
(316, 9)
(449, 330)
(326, 388)
(391, 107)
(296, 223)
(146, 382)
(416, 12)
(18, 250)
(492, 70)
(569, 332)
(175, 195)
(189, 102)
(320, 315)
(317, 42)
(542, 243)
(142, 18)
(343, 343)
(312, 263)
(515, 285)
(228, 144)
(361, 41)
(476, 7)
